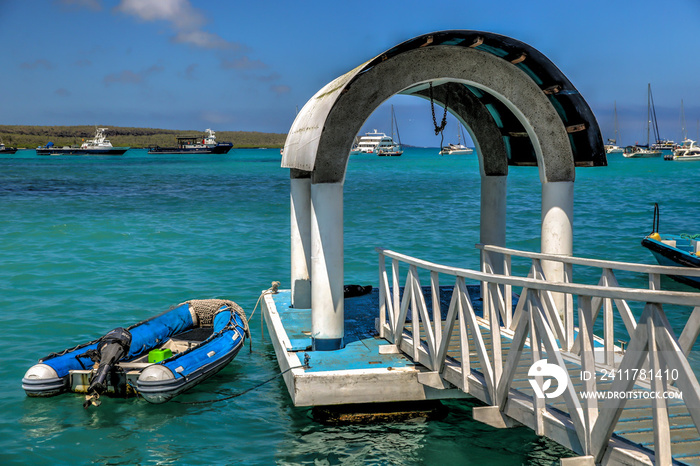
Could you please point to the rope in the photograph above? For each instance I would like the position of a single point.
(272, 290)
(235, 395)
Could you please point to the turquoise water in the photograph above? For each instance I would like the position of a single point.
(90, 243)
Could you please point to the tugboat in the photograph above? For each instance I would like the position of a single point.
(195, 145)
(100, 145)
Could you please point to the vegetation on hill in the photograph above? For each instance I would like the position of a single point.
(30, 137)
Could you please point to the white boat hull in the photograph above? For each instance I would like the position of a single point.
(457, 152)
(643, 154)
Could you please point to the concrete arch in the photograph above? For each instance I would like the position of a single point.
(325, 127)
(518, 107)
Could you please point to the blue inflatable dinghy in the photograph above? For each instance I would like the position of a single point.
(157, 359)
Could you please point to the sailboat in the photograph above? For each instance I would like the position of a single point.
(386, 148)
(459, 148)
(639, 151)
(611, 147)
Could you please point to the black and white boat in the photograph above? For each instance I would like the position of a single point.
(6, 150)
(195, 145)
(99, 145)
(674, 250)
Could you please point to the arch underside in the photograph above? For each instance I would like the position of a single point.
(519, 108)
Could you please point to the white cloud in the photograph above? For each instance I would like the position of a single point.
(204, 40)
(242, 63)
(178, 12)
(219, 118)
(131, 77)
(185, 20)
(280, 89)
(39, 63)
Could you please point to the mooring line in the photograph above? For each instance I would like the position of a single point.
(235, 395)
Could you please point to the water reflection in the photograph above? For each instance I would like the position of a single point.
(457, 439)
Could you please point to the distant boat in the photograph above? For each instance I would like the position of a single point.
(7, 150)
(674, 250)
(687, 152)
(195, 145)
(100, 145)
(374, 142)
(639, 151)
(611, 147)
(379, 143)
(395, 149)
(459, 148)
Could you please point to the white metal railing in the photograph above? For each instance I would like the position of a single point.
(491, 256)
(536, 321)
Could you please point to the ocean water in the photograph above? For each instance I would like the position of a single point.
(91, 243)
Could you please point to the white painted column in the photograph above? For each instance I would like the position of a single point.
(300, 238)
(327, 307)
(557, 229)
(493, 215)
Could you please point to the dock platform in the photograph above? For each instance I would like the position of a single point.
(368, 369)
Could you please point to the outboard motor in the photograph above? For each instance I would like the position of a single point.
(110, 350)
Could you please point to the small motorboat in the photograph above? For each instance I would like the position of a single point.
(688, 151)
(674, 250)
(157, 359)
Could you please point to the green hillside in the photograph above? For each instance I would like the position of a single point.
(32, 136)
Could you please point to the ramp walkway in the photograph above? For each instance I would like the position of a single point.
(628, 396)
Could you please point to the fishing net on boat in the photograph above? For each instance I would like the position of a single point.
(206, 309)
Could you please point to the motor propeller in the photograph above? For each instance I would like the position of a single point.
(112, 347)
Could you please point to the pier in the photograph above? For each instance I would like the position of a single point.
(519, 338)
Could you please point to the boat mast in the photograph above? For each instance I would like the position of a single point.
(394, 122)
(684, 131)
(653, 117)
(617, 127)
(648, 111)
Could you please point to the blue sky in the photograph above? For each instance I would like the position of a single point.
(234, 65)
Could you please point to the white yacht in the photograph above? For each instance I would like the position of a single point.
(377, 143)
(638, 152)
(612, 148)
(456, 149)
(664, 144)
(688, 151)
